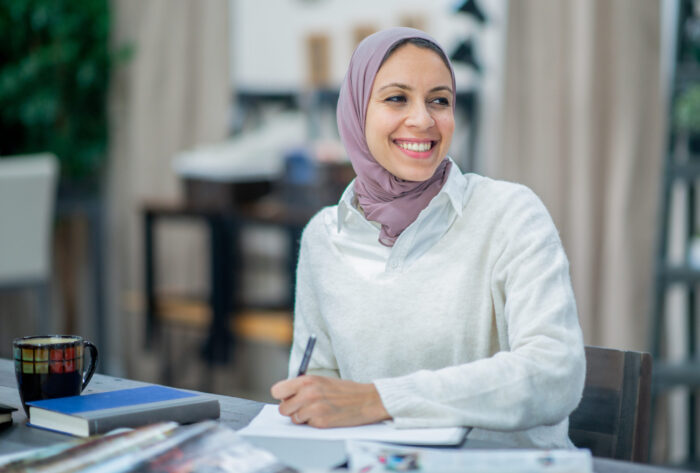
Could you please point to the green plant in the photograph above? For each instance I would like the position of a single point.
(55, 64)
(687, 110)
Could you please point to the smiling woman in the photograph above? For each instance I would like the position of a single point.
(437, 298)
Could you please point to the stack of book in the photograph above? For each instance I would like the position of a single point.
(6, 415)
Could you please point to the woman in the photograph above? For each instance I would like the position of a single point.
(438, 299)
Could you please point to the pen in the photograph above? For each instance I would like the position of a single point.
(307, 355)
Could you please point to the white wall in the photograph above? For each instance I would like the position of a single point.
(268, 36)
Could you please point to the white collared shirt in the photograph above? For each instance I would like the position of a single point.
(358, 238)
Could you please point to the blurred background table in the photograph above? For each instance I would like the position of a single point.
(225, 210)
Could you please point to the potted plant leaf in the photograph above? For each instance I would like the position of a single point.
(55, 61)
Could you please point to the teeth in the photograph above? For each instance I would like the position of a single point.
(424, 146)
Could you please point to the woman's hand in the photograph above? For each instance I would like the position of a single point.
(329, 402)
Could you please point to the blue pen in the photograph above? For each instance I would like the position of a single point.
(307, 355)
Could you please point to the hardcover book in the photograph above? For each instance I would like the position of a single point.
(6, 414)
(96, 413)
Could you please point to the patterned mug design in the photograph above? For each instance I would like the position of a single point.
(52, 366)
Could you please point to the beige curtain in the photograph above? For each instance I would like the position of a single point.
(583, 127)
(174, 94)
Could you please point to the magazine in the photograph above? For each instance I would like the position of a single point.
(215, 449)
(378, 457)
(164, 447)
(206, 446)
(77, 456)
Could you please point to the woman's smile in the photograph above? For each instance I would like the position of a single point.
(417, 149)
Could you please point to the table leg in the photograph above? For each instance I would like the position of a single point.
(219, 342)
(149, 277)
(294, 235)
(96, 246)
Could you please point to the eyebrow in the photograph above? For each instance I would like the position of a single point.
(407, 87)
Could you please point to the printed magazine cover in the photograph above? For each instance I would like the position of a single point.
(165, 447)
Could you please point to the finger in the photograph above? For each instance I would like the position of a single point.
(284, 389)
(302, 399)
(293, 411)
(297, 418)
(289, 387)
(291, 405)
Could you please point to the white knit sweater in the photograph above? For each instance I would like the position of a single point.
(480, 330)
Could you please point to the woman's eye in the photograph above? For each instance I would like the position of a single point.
(441, 101)
(396, 99)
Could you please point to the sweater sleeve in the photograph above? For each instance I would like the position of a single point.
(537, 377)
(307, 316)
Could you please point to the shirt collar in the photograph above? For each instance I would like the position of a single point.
(455, 188)
(346, 204)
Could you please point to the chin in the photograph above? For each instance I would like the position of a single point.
(417, 173)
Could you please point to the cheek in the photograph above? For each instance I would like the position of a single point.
(372, 137)
(446, 125)
(378, 127)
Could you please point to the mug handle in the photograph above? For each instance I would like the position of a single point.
(93, 363)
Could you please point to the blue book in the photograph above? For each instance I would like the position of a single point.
(97, 413)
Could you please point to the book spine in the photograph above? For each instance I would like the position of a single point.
(207, 409)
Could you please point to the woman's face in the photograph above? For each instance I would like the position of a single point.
(409, 120)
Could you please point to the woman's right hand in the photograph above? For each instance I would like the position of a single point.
(328, 402)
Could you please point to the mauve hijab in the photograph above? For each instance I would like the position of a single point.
(384, 198)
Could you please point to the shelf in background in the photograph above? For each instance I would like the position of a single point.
(682, 274)
(689, 171)
(687, 74)
(667, 374)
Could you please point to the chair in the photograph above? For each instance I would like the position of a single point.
(27, 199)
(613, 417)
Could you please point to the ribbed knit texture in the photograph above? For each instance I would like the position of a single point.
(481, 330)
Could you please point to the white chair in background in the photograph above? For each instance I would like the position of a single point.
(27, 203)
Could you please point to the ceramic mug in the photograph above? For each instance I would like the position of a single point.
(50, 366)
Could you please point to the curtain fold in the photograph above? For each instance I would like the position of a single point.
(173, 94)
(583, 127)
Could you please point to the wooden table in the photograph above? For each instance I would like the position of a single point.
(235, 413)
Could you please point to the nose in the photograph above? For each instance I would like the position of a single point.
(419, 116)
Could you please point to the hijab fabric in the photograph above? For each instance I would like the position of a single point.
(393, 202)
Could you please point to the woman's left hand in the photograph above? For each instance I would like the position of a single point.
(329, 402)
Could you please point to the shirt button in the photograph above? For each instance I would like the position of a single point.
(394, 264)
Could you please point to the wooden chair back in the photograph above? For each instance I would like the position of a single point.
(613, 417)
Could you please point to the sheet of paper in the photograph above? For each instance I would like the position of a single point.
(270, 423)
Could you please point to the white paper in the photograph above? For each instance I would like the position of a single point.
(270, 423)
(377, 457)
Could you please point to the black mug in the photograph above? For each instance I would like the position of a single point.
(51, 366)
